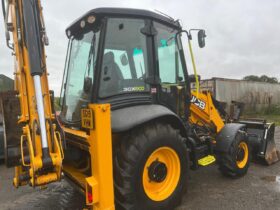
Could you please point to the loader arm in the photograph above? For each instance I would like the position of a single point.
(35, 150)
(204, 112)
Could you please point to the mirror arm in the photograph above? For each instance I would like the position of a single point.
(192, 58)
(194, 67)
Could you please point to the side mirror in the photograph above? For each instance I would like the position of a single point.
(192, 78)
(201, 38)
(87, 84)
(124, 59)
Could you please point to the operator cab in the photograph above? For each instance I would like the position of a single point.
(124, 57)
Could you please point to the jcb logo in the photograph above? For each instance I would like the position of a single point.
(199, 103)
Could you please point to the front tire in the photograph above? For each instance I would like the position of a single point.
(150, 168)
(236, 161)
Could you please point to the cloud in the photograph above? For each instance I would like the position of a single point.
(242, 36)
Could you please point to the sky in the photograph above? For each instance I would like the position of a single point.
(242, 35)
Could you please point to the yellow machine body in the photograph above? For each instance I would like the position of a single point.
(98, 185)
(84, 152)
(204, 112)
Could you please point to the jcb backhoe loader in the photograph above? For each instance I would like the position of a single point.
(123, 133)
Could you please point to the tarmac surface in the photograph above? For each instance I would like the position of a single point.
(207, 189)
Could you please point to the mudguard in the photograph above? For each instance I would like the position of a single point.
(227, 135)
(127, 118)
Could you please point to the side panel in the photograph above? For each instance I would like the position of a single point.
(204, 112)
(100, 185)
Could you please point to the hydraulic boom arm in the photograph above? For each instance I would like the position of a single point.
(37, 151)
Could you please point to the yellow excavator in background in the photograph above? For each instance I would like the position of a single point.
(129, 128)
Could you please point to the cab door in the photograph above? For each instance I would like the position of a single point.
(173, 90)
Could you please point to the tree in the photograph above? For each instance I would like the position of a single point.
(263, 78)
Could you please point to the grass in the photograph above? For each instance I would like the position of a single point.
(271, 114)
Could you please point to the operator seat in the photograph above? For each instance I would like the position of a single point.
(111, 76)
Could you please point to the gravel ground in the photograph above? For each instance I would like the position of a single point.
(207, 189)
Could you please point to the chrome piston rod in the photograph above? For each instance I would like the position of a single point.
(40, 109)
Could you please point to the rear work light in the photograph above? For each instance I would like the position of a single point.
(89, 197)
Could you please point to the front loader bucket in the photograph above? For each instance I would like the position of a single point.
(261, 137)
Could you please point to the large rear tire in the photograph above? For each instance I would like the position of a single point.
(236, 161)
(150, 168)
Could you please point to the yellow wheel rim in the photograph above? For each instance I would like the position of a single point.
(243, 148)
(161, 174)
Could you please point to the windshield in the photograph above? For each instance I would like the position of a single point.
(124, 67)
(79, 78)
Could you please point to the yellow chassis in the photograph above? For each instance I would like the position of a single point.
(99, 188)
(203, 111)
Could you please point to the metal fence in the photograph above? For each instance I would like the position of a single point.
(255, 95)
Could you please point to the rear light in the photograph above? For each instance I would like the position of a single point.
(91, 193)
(89, 197)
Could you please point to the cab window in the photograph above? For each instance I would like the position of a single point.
(138, 59)
(169, 62)
(81, 65)
(124, 66)
(121, 60)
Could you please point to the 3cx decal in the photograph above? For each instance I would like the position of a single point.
(199, 103)
(131, 89)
